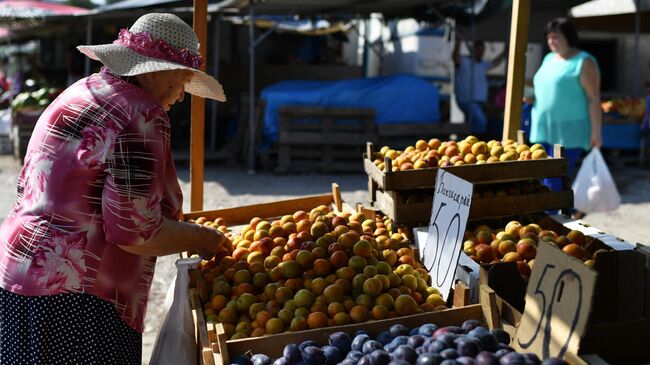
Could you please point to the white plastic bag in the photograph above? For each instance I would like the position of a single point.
(176, 343)
(594, 189)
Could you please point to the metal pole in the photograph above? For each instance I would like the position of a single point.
(472, 57)
(635, 67)
(251, 90)
(89, 40)
(213, 104)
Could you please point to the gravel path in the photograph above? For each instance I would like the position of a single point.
(229, 187)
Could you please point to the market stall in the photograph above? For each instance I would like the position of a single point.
(315, 280)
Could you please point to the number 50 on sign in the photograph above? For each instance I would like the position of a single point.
(451, 203)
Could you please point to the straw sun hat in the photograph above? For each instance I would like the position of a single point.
(157, 42)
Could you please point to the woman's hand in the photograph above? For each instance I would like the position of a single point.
(210, 242)
(596, 139)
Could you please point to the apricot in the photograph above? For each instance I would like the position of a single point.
(373, 287)
(574, 250)
(333, 293)
(405, 305)
(341, 319)
(379, 312)
(299, 323)
(339, 259)
(359, 314)
(322, 267)
(317, 320)
(576, 237)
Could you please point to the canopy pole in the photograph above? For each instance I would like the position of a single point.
(215, 66)
(251, 89)
(197, 128)
(516, 67)
(89, 40)
(635, 66)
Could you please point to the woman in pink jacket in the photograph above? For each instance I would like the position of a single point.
(98, 200)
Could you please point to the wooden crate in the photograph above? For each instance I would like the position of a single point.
(499, 172)
(214, 338)
(243, 215)
(323, 138)
(394, 205)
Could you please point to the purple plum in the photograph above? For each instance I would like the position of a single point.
(379, 357)
(449, 354)
(333, 355)
(281, 361)
(468, 347)
(341, 340)
(465, 360)
(486, 358)
(429, 359)
(531, 359)
(359, 340)
(398, 330)
(242, 360)
(292, 353)
(306, 344)
(261, 359)
(470, 324)
(370, 346)
(501, 336)
(512, 358)
(313, 355)
(415, 341)
(406, 353)
(384, 338)
(427, 329)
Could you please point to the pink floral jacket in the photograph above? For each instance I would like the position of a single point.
(98, 173)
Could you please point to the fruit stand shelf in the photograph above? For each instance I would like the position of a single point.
(420, 212)
(477, 174)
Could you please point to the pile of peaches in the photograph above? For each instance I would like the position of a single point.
(470, 151)
(311, 270)
(518, 243)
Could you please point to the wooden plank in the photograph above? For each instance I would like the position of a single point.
(489, 306)
(324, 138)
(516, 67)
(222, 345)
(461, 295)
(197, 124)
(498, 172)
(273, 345)
(242, 215)
(336, 195)
(422, 130)
(205, 350)
(391, 204)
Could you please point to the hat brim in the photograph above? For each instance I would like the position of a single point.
(125, 62)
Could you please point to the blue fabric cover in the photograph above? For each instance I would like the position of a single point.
(396, 99)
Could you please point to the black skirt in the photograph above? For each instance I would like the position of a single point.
(69, 328)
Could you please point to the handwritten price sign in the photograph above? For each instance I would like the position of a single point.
(449, 214)
(558, 302)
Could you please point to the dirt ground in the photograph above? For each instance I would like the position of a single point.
(230, 187)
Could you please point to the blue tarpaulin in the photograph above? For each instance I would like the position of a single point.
(396, 99)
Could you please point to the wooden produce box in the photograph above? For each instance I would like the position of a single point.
(398, 206)
(316, 138)
(272, 345)
(240, 216)
(620, 312)
(498, 172)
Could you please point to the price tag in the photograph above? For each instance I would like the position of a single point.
(449, 213)
(558, 302)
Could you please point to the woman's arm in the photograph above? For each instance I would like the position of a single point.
(590, 81)
(174, 237)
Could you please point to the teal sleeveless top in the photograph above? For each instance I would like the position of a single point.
(561, 110)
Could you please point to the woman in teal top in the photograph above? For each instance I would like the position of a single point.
(566, 108)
